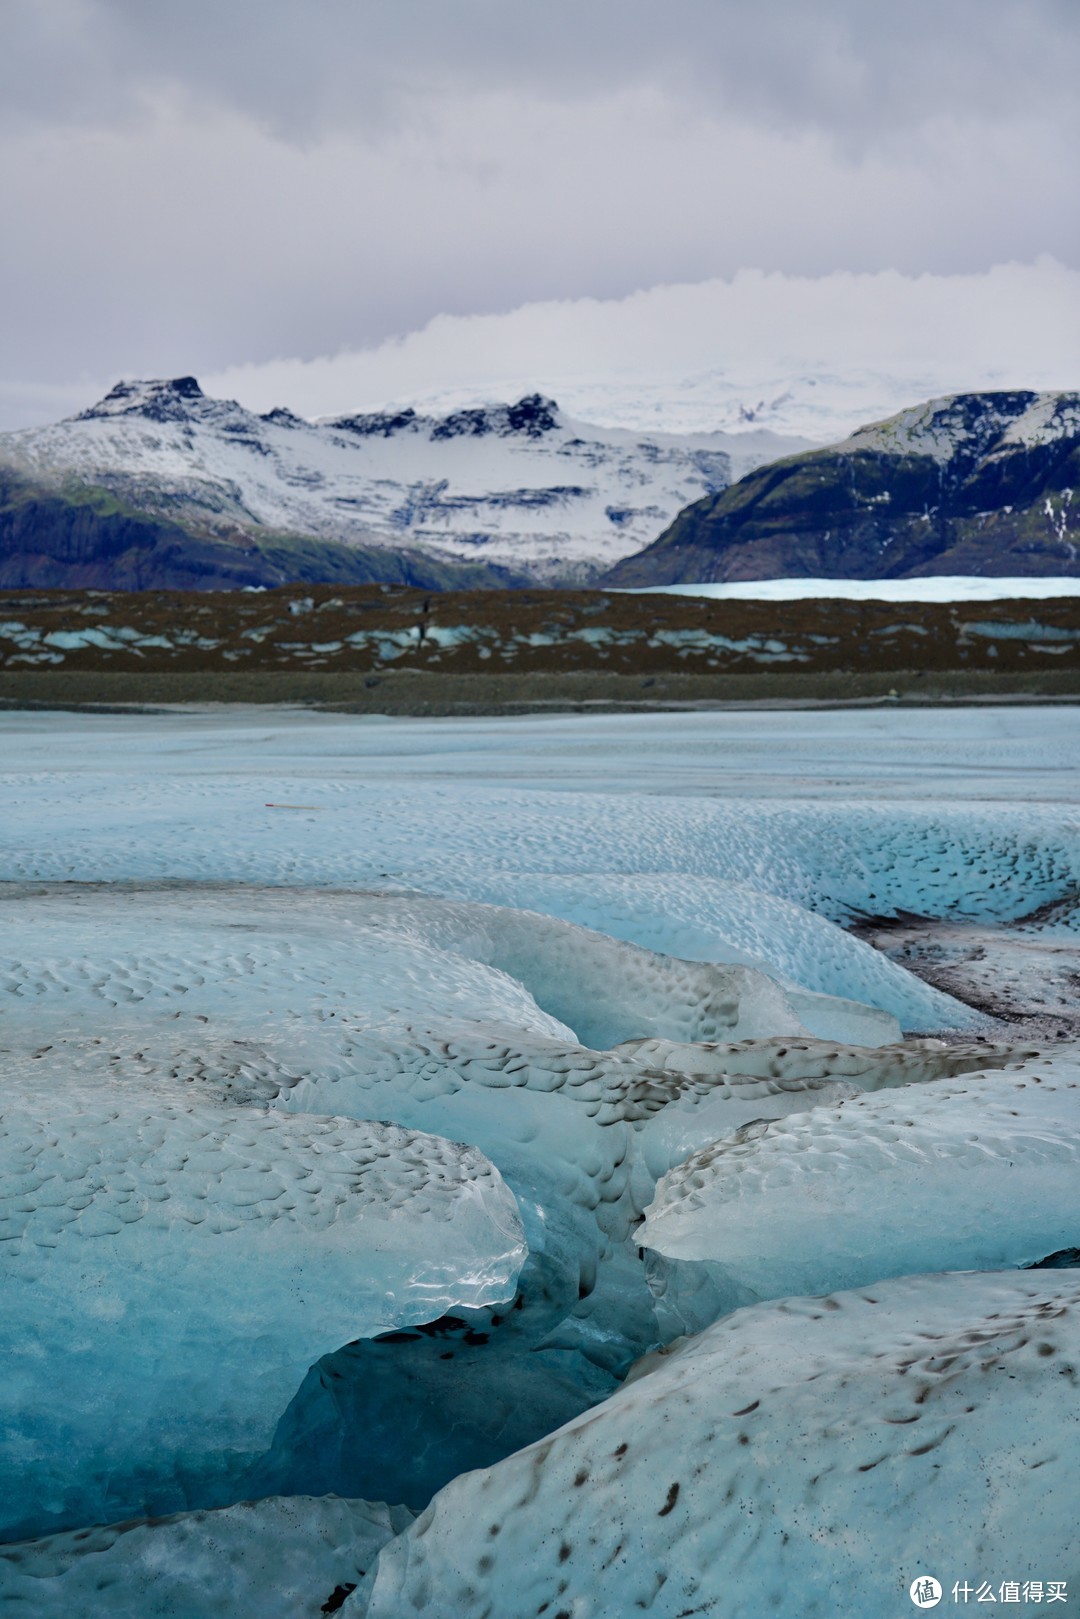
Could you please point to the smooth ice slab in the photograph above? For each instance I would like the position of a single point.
(968, 1173)
(805, 1459)
(275, 1559)
(173, 1266)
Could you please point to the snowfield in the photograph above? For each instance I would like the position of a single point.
(483, 1167)
(522, 485)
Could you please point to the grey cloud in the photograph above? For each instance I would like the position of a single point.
(850, 67)
(194, 184)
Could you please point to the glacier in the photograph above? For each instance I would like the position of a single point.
(183, 1263)
(939, 588)
(279, 1558)
(804, 1458)
(416, 1117)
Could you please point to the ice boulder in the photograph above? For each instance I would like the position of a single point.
(295, 1558)
(806, 1458)
(173, 1267)
(969, 1173)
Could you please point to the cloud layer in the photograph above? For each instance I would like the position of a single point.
(806, 355)
(189, 188)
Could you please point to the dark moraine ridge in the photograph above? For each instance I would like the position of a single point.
(389, 648)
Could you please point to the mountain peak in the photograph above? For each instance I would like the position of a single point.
(159, 399)
(532, 416)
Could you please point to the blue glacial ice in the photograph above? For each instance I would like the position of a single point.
(491, 991)
(971, 1173)
(172, 1266)
(806, 1458)
(270, 1559)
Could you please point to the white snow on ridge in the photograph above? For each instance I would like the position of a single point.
(521, 486)
(941, 588)
(941, 427)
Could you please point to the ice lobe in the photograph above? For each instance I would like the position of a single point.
(609, 991)
(708, 920)
(941, 1410)
(180, 1264)
(724, 1088)
(390, 954)
(441, 1016)
(295, 1558)
(962, 1174)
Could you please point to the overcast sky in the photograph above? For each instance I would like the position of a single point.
(214, 185)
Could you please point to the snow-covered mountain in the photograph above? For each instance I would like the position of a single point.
(519, 486)
(979, 484)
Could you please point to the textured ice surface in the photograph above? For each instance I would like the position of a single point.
(969, 1173)
(182, 1262)
(726, 1087)
(388, 956)
(351, 982)
(178, 803)
(270, 1559)
(416, 1011)
(731, 922)
(807, 1458)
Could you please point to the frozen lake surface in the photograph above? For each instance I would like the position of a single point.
(377, 1093)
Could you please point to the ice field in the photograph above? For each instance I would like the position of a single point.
(505, 1167)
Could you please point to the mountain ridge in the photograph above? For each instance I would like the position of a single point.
(976, 483)
(512, 492)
